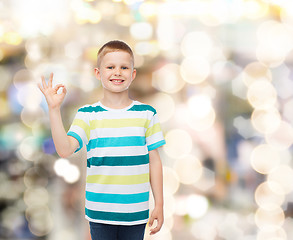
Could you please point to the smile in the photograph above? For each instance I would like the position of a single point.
(117, 81)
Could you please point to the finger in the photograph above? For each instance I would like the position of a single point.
(56, 88)
(41, 88)
(50, 80)
(154, 230)
(151, 221)
(158, 227)
(44, 82)
(64, 90)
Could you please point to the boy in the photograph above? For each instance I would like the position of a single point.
(121, 136)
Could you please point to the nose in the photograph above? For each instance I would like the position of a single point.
(117, 72)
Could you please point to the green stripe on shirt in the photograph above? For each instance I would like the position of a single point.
(110, 216)
(119, 123)
(118, 179)
(118, 160)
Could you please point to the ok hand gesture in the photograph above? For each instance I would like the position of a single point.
(53, 99)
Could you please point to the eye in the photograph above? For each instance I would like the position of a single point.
(110, 67)
(124, 68)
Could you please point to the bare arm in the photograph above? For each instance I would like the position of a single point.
(156, 180)
(65, 145)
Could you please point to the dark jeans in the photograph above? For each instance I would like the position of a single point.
(100, 231)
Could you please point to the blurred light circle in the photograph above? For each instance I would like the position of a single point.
(28, 148)
(72, 174)
(168, 78)
(196, 44)
(12, 134)
(266, 198)
(207, 181)
(29, 96)
(282, 137)
(169, 205)
(269, 218)
(256, 71)
(36, 196)
(145, 48)
(262, 94)
(39, 219)
(194, 69)
(124, 19)
(73, 49)
(160, 101)
(5, 108)
(35, 177)
(37, 48)
(199, 105)
(22, 77)
(270, 57)
(264, 159)
(201, 115)
(148, 9)
(202, 124)
(288, 110)
(204, 229)
(189, 169)
(215, 13)
(197, 205)
(254, 9)
(282, 179)
(272, 232)
(180, 207)
(179, 143)
(266, 121)
(141, 30)
(48, 146)
(275, 42)
(5, 76)
(12, 38)
(60, 165)
(29, 117)
(171, 181)
(286, 15)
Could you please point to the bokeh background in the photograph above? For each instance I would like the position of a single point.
(219, 73)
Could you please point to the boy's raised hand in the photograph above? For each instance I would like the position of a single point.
(53, 99)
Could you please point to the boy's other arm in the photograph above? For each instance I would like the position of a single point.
(156, 181)
(65, 145)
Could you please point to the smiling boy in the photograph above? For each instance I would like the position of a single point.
(121, 136)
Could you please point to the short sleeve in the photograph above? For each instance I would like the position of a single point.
(80, 128)
(154, 134)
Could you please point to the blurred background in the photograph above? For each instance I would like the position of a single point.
(219, 73)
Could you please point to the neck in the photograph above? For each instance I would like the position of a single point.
(119, 100)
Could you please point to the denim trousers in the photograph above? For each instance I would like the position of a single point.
(100, 231)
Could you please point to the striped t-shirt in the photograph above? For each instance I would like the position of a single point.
(117, 143)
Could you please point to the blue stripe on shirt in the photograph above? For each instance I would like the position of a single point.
(156, 145)
(116, 142)
(117, 198)
(78, 138)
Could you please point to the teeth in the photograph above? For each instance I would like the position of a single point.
(116, 81)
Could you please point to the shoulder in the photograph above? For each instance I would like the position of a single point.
(139, 106)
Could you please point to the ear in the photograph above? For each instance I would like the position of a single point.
(133, 74)
(97, 73)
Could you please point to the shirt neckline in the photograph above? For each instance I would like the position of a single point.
(116, 109)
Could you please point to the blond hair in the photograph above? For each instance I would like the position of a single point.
(113, 46)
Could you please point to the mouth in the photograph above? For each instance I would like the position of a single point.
(117, 81)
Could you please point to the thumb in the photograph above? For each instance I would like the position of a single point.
(151, 221)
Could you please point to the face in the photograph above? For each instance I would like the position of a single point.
(116, 71)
